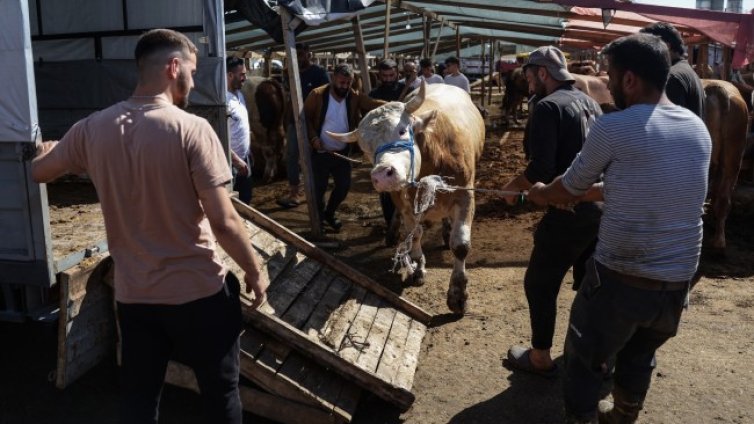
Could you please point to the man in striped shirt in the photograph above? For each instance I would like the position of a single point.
(653, 157)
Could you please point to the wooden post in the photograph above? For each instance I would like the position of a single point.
(493, 45)
(458, 41)
(366, 84)
(426, 30)
(481, 73)
(267, 63)
(437, 40)
(703, 60)
(304, 149)
(387, 30)
(727, 58)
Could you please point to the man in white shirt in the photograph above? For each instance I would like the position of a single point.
(240, 130)
(453, 75)
(428, 72)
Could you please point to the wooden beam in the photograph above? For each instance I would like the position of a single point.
(458, 41)
(426, 28)
(481, 71)
(493, 47)
(281, 409)
(437, 40)
(421, 11)
(362, 52)
(386, 48)
(304, 149)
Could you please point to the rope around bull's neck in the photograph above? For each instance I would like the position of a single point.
(426, 193)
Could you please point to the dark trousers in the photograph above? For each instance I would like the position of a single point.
(612, 322)
(202, 334)
(243, 183)
(325, 165)
(562, 239)
(388, 207)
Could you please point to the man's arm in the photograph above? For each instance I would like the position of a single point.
(46, 168)
(239, 164)
(230, 232)
(555, 193)
(310, 108)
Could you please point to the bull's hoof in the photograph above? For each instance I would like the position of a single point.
(417, 278)
(457, 300)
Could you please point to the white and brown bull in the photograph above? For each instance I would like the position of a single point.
(265, 102)
(438, 131)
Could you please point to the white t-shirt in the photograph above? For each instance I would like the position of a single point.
(238, 118)
(434, 79)
(336, 120)
(459, 81)
(414, 84)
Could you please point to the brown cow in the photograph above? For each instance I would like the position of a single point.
(437, 132)
(726, 116)
(265, 103)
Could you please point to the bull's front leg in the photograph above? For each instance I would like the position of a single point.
(417, 255)
(460, 245)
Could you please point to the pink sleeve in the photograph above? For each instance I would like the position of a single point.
(71, 150)
(208, 162)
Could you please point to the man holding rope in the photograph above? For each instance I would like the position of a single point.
(564, 238)
(653, 156)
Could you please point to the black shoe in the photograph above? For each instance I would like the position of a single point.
(333, 222)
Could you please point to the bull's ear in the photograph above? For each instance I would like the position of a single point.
(424, 120)
(349, 137)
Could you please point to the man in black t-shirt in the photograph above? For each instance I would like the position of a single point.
(564, 237)
(684, 87)
(311, 77)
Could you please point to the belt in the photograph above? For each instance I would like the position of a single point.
(642, 283)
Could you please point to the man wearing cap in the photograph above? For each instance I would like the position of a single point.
(565, 237)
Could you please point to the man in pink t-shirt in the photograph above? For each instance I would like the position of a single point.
(160, 174)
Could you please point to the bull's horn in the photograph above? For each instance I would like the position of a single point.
(349, 137)
(416, 101)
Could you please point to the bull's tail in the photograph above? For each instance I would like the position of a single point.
(270, 100)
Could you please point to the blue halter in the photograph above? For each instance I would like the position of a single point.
(397, 145)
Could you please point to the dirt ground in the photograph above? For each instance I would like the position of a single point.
(703, 375)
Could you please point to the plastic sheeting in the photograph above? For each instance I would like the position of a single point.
(18, 104)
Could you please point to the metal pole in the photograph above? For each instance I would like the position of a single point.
(304, 149)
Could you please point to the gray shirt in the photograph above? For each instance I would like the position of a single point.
(654, 161)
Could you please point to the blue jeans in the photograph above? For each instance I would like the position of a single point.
(202, 334)
(293, 167)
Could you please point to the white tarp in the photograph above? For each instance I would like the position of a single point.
(18, 103)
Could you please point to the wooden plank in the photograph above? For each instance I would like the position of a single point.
(366, 83)
(333, 298)
(405, 376)
(304, 305)
(287, 286)
(329, 358)
(297, 100)
(369, 357)
(386, 37)
(330, 261)
(355, 340)
(282, 410)
(393, 351)
(340, 320)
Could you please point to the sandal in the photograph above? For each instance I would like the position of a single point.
(519, 360)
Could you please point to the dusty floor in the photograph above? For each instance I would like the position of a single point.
(703, 376)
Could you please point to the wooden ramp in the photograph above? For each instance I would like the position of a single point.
(327, 330)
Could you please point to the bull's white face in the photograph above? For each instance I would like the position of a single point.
(388, 124)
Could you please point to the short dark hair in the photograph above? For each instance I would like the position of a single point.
(669, 34)
(231, 62)
(425, 63)
(343, 69)
(386, 65)
(645, 55)
(161, 39)
(452, 59)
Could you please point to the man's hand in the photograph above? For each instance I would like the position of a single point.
(240, 165)
(536, 194)
(45, 147)
(258, 284)
(510, 200)
(317, 144)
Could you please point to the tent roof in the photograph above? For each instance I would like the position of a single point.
(567, 23)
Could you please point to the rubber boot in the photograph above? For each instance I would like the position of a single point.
(624, 409)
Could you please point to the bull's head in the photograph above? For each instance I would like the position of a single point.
(386, 135)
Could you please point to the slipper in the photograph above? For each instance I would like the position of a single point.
(518, 359)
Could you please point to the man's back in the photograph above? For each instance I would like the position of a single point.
(459, 81)
(148, 160)
(684, 87)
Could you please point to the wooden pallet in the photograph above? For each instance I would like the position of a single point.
(327, 330)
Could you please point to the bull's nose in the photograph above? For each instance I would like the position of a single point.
(384, 177)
